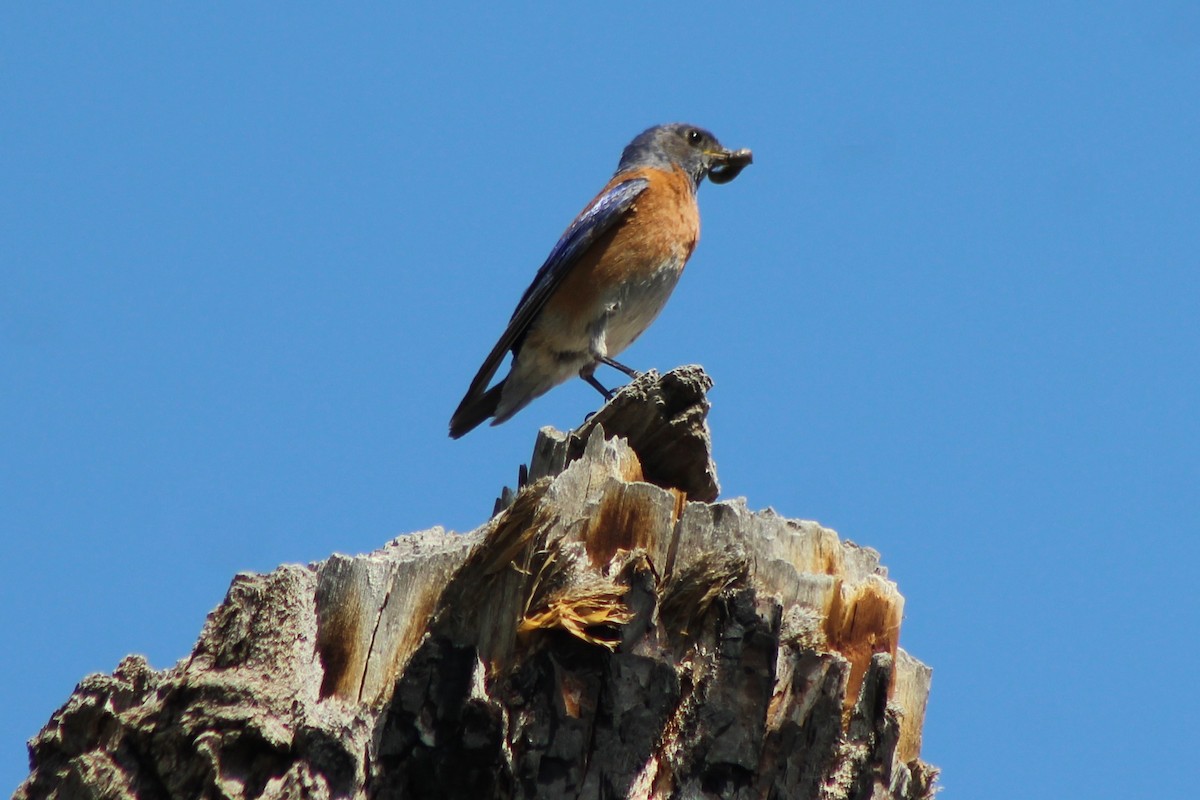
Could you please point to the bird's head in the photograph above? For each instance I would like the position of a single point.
(693, 149)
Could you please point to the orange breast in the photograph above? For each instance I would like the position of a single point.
(659, 232)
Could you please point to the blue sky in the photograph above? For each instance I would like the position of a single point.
(251, 256)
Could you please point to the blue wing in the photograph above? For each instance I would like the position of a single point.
(604, 212)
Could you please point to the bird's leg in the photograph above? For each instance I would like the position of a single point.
(608, 395)
(633, 373)
(586, 374)
(598, 346)
(598, 351)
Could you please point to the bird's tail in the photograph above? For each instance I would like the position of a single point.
(474, 409)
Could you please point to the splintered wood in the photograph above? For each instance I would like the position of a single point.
(611, 632)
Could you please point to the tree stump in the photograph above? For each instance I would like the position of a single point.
(611, 632)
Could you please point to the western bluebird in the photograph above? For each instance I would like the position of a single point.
(609, 275)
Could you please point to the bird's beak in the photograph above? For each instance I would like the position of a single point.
(728, 163)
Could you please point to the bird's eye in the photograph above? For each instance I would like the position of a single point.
(694, 136)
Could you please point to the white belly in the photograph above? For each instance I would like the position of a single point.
(634, 306)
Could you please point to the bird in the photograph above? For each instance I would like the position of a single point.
(609, 275)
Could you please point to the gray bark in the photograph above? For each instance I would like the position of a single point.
(611, 632)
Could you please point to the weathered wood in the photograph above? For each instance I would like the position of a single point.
(665, 421)
(607, 634)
